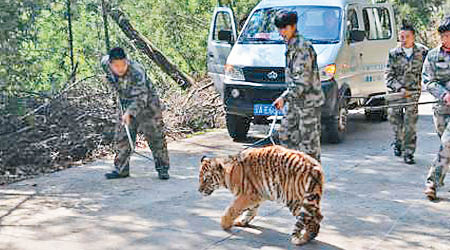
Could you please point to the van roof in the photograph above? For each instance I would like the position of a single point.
(338, 3)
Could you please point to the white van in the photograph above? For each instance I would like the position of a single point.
(351, 38)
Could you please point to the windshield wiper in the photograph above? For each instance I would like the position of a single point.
(315, 41)
(264, 40)
(257, 39)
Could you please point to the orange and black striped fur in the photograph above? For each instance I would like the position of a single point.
(270, 173)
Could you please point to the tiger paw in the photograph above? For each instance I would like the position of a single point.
(241, 224)
(430, 192)
(299, 240)
(226, 223)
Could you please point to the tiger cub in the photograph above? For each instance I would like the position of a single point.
(270, 173)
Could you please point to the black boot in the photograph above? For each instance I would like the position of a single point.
(116, 175)
(163, 174)
(397, 150)
(163, 168)
(409, 159)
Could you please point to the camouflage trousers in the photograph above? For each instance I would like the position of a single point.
(150, 122)
(440, 166)
(404, 121)
(300, 129)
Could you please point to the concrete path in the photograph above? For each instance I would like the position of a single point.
(372, 201)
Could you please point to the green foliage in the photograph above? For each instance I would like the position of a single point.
(34, 38)
(16, 18)
(425, 15)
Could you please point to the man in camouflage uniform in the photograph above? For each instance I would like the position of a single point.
(140, 109)
(300, 127)
(403, 76)
(436, 76)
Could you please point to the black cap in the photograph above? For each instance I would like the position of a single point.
(284, 18)
(445, 25)
(408, 27)
(117, 54)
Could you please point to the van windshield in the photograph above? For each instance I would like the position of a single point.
(319, 24)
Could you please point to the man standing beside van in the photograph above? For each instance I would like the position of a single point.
(403, 76)
(300, 127)
(436, 76)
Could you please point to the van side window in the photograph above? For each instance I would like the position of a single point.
(223, 22)
(377, 23)
(352, 21)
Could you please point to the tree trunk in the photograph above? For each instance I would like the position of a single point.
(105, 26)
(146, 47)
(69, 24)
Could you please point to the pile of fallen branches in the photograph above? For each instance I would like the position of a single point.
(78, 124)
(199, 109)
(74, 126)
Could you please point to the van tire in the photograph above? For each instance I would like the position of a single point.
(336, 126)
(237, 126)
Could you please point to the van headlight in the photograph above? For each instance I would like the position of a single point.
(328, 72)
(234, 72)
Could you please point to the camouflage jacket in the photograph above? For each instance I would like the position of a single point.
(302, 74)
(436, 74)
(403, 71)
(134, 88)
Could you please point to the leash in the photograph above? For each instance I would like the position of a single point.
(272, 128)
(269, 135)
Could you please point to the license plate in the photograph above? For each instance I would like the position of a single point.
(265, 109)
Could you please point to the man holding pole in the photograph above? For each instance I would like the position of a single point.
(140, 109)
(403, 77)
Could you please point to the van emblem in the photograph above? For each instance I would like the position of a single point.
(272, 75)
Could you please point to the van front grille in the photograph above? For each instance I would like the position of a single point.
(264, 75)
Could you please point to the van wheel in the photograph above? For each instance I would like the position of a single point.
(335, 127)
(237, 126)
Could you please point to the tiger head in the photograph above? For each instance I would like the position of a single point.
(211, 175)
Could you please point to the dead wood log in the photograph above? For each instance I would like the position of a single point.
(195, 91)
(147, 47)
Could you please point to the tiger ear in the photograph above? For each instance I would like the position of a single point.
(233, 157)
(219, 164)
(204, 158)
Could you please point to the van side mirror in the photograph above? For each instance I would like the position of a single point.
(225, 36)
(357, 35)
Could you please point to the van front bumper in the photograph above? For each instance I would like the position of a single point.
(250, 93)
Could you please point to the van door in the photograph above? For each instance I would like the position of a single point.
(379, 25)
(222, 36)
(349, 60)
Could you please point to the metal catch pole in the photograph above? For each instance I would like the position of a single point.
(127, 129)
(399, 105)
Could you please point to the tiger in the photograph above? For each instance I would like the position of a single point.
(273, 173)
